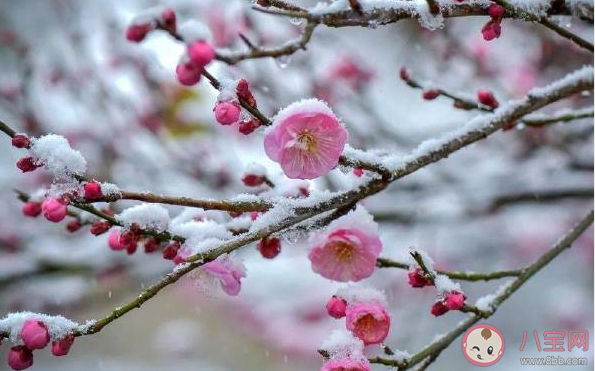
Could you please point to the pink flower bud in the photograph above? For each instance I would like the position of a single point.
(486, 98)
(247, 127)
(20, 358)
(114, 241)
(253, 180)
(188, 73)
(53, 209)
(227, 113)
(62, 347)
(93, 191)
(455, 300)
(21, 141)
(254, 215)
(168, 18)
(27, 164)
(35, 334)
(336, 307)
(32, 209)
(358, 172)
(137, 32)
(128, 237)
(438, 308)
(100, 227)
(431, 94)
(73, 226)
(496, 11)
(269, 247)
(491, 30)
(201, 53)
(417, 278)
(244, 93)
(171, 250)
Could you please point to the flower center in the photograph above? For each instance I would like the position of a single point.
(366, 324)
(307, 141)
(343, 251)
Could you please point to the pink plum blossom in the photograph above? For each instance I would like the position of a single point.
(35, 334)
(349, 249)
(228, 272)
(369, 322)
(53, 209)
(346, 364)
(306, 139)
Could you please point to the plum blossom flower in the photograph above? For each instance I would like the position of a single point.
(346, 364)
(369, 322)
(226, 271)
(348, 250)
(306, 139)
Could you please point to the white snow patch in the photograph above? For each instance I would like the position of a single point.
(361, 294)
(194, 30)
(147, 216)
(55, 153)
(342, 344)
(445, 284)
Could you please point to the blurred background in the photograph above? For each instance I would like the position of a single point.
(68, 69)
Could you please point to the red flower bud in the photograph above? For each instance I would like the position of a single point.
(404, 74)
(253, 180)
(486, 98)
(244, 93)
(439, 308)
(27, 164)
(32, 209)
(151, 245)
(93, 191)
(269, 247)
(431, 94)
(100, 227)
(171, 250)
(247, 127)
(21, 141)
(73, 226)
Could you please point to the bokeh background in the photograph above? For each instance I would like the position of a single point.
(67, 68)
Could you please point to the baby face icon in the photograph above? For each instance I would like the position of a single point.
(483, 345)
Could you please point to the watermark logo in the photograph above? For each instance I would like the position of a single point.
(483, 345)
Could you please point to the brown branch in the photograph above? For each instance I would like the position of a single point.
(225, 205)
